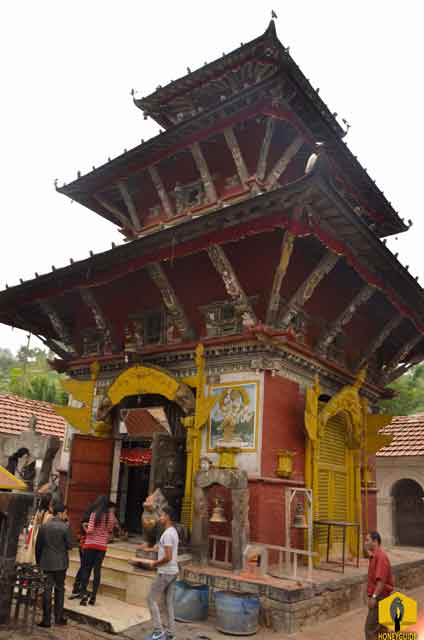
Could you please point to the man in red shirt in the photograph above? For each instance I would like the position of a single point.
(380, 583)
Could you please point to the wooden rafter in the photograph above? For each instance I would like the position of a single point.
(163, 196)
(263, 153)
(205, 174)
(48, 342)
(57, 323)
(170, 300)
(283, 162)
(129, 203)
(117, 213)
(344, 317)
(232, 285)
(380, 339)
(307, 288)
(234, 147)
(401, 356)
(280, 272)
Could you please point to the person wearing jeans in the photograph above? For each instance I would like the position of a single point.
(164, 584)
(51, 551)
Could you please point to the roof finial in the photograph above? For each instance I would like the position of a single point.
(273, 14)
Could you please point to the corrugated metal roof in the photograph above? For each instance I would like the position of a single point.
(16, 413)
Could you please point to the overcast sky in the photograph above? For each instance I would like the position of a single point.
(68, 69)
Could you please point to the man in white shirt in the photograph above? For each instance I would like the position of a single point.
(164, 584)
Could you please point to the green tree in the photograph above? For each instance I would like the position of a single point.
(409, 393)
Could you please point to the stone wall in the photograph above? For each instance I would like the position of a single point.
(292, 610)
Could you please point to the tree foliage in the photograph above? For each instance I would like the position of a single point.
(28, 374)
(409, 390)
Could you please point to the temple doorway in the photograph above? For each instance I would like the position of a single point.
(152, 456)
(408, 513)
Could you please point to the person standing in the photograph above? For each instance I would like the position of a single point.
(100, 526)
(53, 543)
(380, 583)
(76, 589)
(167, 573)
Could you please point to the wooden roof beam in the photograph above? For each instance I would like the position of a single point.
(264, 150)
(400, 357)
(161, 191)
(170, 300)
(280, 272)
(232, 285)
(114, 210)
(205, 174)
(234, 147)
(380, 339)
(57, 323)
(344, 317)
(129, 203)
(282, 164)
(307, 288)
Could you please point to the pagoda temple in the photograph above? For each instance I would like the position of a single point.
(251, 318)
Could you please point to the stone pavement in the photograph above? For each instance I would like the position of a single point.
(349, 626)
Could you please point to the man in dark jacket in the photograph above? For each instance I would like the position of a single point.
(54, 540)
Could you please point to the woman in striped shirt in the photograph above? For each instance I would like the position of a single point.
(100, 527)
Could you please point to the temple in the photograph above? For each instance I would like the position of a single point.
(240, 338)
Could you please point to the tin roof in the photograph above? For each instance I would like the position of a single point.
(408, 440)
(16, 413)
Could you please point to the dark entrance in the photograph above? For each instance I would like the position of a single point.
(408, 513)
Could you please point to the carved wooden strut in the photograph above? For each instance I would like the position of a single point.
(170, 300)
(163, 196)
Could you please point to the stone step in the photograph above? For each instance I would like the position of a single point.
(110, 561)
(108, 614)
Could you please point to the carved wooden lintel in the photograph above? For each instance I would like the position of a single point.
(380, 339)
(163, 196)
(307, 288)
(400, 357)
(57, 323)
(234, 147)
(203, 168)
(344, 318)
(117, 213)
(129, 203)
(280, 272)
(283, 162)
(170, 300)
(263, 153)
(232, 285)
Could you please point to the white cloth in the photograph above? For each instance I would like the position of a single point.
(169, 538)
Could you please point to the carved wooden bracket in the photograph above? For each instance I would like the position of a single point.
(305, 291)
(170, 301)
(232, 285)
(203, 168)
(234, 147)
(118, 214)
(163, 196)
(57, 324)
(380, 339)
(129, 203)
(263, 153)
(280, 272)
(400, 357)
(282, 164)
(345, 317)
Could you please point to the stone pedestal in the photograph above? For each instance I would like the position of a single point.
(227, 453)
(14, 508)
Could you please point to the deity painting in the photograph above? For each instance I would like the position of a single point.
(234, 416)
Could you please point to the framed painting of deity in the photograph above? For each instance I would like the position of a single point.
(235, 414)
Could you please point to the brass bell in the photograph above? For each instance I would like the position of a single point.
(218, 512)
(299, 517)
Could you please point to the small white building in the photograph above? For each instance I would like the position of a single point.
(400, 483)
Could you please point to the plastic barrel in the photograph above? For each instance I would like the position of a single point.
(237, 613)
(191, 602)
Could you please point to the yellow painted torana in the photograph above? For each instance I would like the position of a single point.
(139, 379)
(82, 391)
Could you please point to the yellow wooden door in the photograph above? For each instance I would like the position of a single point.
(332, 480)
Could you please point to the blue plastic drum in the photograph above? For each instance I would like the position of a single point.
(191, 602)
(237, 613)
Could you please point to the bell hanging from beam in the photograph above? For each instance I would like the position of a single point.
(218, 512)
(299, 517)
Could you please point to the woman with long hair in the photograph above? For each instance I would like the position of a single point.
(100, 526)
(41, 516)
(76, 589)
